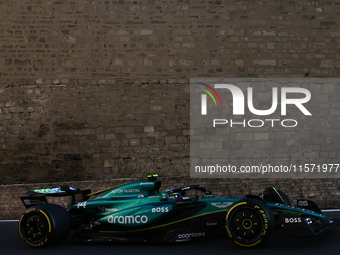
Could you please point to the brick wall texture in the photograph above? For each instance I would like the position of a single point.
(95, 91)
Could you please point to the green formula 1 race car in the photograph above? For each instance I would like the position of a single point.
(138, 211)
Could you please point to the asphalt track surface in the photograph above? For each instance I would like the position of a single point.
(327, 243)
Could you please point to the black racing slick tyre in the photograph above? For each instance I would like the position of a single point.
(44, 225)
(249, 222)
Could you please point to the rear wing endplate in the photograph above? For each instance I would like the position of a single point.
(38, 196)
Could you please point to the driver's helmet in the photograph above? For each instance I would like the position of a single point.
(172, 194)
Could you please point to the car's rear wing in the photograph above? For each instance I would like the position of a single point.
(38, 196)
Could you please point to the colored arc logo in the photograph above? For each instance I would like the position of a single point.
(209, 93)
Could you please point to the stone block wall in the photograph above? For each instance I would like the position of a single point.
(99, 90)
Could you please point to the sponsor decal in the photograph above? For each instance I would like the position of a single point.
(131, 191)
(228, 231)
(303, 203)
(191, 235)
(147, 184)
(104, 209)
(160, 209)
(264, 216)
(125, 191)
(293, 220)
(126, 220)
(158, 196)
(34, 202)
(221, 204)
(309, 221)
(51, 191)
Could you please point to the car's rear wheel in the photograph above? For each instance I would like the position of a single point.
(249, 222)
(44, 225)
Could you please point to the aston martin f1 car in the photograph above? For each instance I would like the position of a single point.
(139, 211)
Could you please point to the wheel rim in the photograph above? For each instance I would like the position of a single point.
(246, 223)
(35, 228)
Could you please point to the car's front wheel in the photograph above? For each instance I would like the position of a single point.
(44, 225)
(249, 222)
